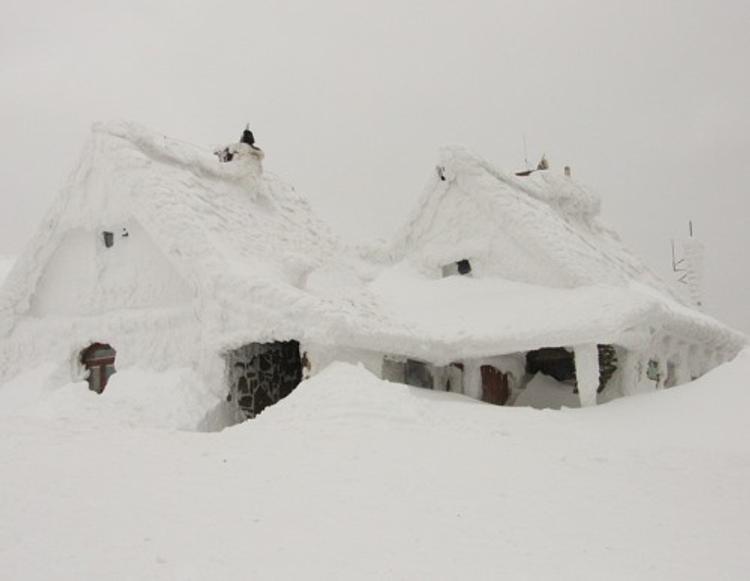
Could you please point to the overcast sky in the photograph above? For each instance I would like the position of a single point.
(647, 101)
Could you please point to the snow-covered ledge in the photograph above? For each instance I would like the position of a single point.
(587, 373)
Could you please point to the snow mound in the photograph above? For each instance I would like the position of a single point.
(648, 487)
(545, 392)
(136, 398)
(348, 394)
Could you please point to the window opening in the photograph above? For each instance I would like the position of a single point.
(99, 360)
(652, 371)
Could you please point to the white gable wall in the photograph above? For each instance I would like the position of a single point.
(459, 226)
(84, 277)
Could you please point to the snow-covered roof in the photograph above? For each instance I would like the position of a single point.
(261, 266)
(541, 229)
(463, 316)
(242, 240)
(545, 269)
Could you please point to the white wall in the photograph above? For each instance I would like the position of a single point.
(83, 277)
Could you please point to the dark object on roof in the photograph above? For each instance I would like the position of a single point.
(248, 137)
(543, 163)
(464, 266)
(109, 239)
(525, 173)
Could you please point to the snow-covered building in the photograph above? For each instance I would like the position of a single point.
(505, 288)
(511, 275)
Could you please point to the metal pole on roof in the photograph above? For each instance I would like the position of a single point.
(525, 154)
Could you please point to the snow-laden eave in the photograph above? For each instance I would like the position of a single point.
(412, 343)
(389, 335)
(699, 329)
(444, 350)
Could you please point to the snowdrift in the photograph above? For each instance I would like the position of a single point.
(354, 478)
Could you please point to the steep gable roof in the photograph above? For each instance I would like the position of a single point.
(540, 229)
(232, 231)
(261, 266)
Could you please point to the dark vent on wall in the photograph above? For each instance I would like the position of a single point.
(109, 239)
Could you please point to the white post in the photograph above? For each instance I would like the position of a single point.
(629, 373)
(472, 379)
(682, 362)
(587, 373)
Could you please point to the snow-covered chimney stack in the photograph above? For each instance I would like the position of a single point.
(688, 257)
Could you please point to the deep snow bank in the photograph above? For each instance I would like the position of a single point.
(354, 478)
(136, 398)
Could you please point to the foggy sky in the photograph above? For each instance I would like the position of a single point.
(647, 101)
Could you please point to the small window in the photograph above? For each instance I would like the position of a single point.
(99, 360)
(109, 239)
(417, 374)
(462, 267)
(408, 371)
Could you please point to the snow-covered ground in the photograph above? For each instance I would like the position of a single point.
(354, 478)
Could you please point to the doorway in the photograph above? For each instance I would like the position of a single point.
(495, 385)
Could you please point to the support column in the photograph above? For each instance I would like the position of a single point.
(472, 379)
(629, 373)
(587, 373)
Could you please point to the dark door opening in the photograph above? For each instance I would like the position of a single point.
(261, 374)
(556, 362)
(99, 360)
(495, 388)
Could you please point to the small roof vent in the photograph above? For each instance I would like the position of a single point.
(462, 267)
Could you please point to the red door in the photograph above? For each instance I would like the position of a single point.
(495, 387)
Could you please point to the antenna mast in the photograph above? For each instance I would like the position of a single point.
(525, 155)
